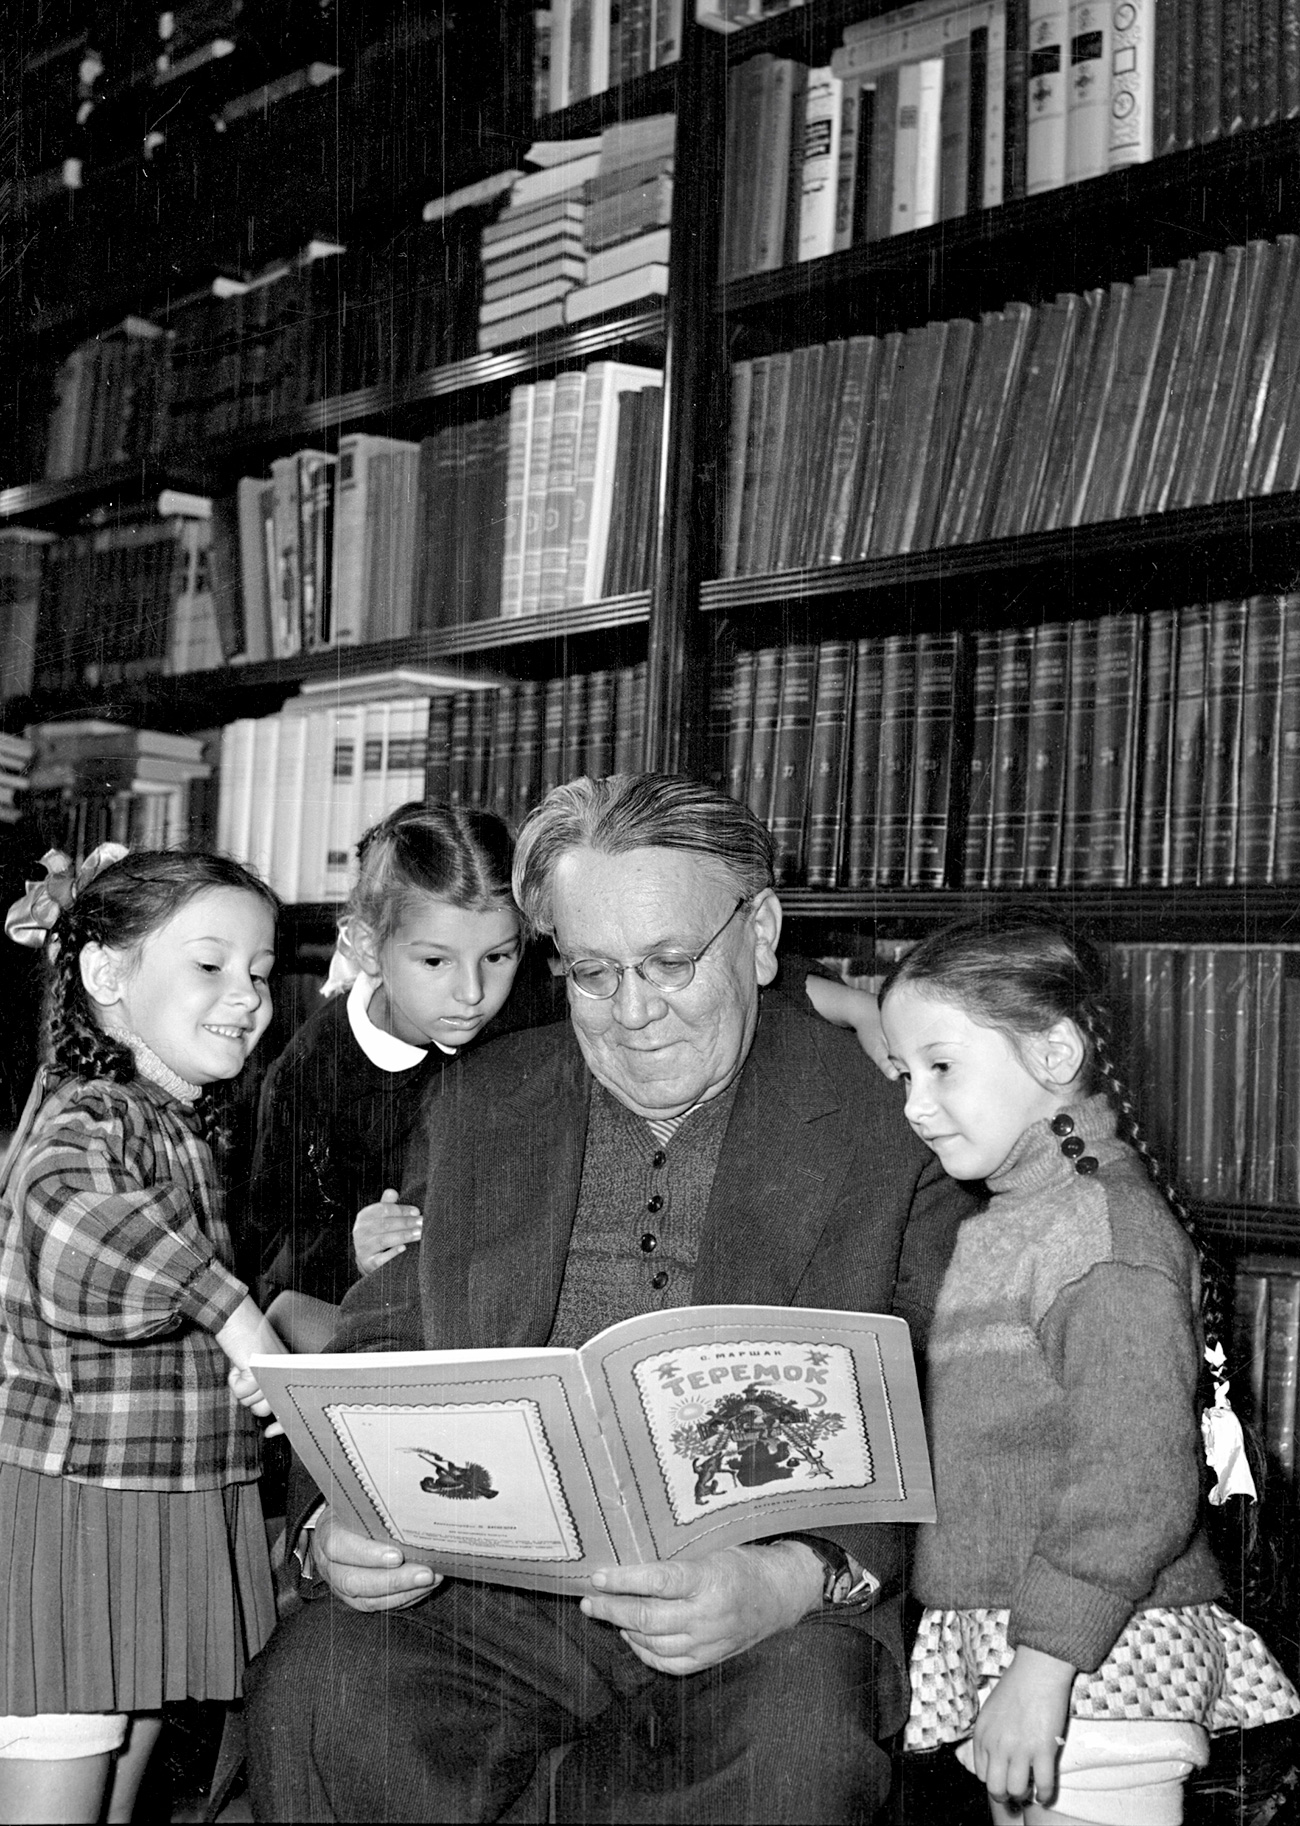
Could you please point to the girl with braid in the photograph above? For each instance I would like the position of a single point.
(133, 1559)
(1072, 1643)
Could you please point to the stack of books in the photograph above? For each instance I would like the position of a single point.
(629, 208)
(533, 253)
(110, 400)
(93, 782)
(15, 755)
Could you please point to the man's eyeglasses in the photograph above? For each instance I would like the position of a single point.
(599, 977)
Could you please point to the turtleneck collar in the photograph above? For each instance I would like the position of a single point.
(1037, 1161)
(150, 1066)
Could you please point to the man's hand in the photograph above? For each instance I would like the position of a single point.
(383, 1230)
(366, 1574)
(683, 1615)
(1017, 1736)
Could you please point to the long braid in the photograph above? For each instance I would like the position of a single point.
(78, 1044)
(1233, 1529)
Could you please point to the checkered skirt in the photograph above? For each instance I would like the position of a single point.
(1198, 1664)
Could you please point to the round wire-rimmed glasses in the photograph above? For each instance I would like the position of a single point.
(600, 977)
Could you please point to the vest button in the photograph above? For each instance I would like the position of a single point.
(658, 1159)
(659, 1281)
(649, 1243)
(655, 1202)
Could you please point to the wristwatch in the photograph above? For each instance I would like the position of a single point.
(845, 1584)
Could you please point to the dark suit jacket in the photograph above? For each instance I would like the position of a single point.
(822, 1197)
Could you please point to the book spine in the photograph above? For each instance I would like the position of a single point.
(897, 749)
(557, 520)
(1265, 1146)
(539, 475)
(1222, 754)
(598, 757)
(829, 765)
(1046, 753)
(598, 379)
(767, 703)
(1087, 115)
(819, 174)
(848, 163)
(1082, 639)
(1007, 804)
(1260, 728)
(931, 781)
(527, 751)
(1188, 750)
(790, 761)
(740, 726)
(906, 143)
(437, 766)
(1152, 842)
(742, 381)
(512, 568)
(864, 776)
(955, 131)
(1108, 850)
(977, 852)
(1016, 123)
(1045, 132)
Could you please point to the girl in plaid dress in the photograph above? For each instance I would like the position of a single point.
(1072, 1645)
(133, 1561)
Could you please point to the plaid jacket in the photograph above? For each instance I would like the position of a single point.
(112, 1282)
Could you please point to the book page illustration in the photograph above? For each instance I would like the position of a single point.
(461, 1477)
(729, 1420)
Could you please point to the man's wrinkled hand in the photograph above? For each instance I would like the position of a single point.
(366, 1574)
(680, 1616)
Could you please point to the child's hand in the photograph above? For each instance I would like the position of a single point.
(383, 1231)
(249, 1333)
(242, 1384)
(855, 1008)
(1018, 1734)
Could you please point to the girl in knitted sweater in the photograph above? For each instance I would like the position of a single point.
(1072, 1644)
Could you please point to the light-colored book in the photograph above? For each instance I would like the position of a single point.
(820, 165)
(624, 288)
(650, 249)
(1046, 108)
(665, 1437)
(1087, 108)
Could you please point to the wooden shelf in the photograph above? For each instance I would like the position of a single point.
(1243, 1229)
(1255, 537)
(1184, 915)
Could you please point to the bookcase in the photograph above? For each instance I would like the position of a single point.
(978, 599)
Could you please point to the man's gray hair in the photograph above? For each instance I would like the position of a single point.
(632, 812)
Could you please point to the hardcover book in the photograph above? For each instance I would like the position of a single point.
(667, 1436)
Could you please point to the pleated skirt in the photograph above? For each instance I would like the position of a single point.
(120, 1600)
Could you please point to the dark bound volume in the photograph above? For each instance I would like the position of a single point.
(1187, 760)
(1015, 123)
(1221, 767)
(1045, 755)
(1152, 858)
(1107, 850)
(740, 727)
(897, 748)
(598, 758)
(767, 704)
(1261, 692)
(978, 851)
(1286, 860)
(790, 761)
(501, 757)
(864, 779)
(829, 768)
(552, 734)
(528, 751)
(927, 832)
(1078, 751)
(1010, 733)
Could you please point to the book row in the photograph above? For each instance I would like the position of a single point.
(583, 47)
(845, 750)
(548, 505)
(1214, 1033)
(1266, 1354)
(1172, 391)
(1153, 750)
(298, 789)
(943, 107)
(120, 602)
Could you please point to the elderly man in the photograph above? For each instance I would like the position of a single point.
(686, 1140)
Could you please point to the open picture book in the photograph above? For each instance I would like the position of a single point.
(667, 1435)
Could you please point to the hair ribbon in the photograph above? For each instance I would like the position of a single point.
(32, 917)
